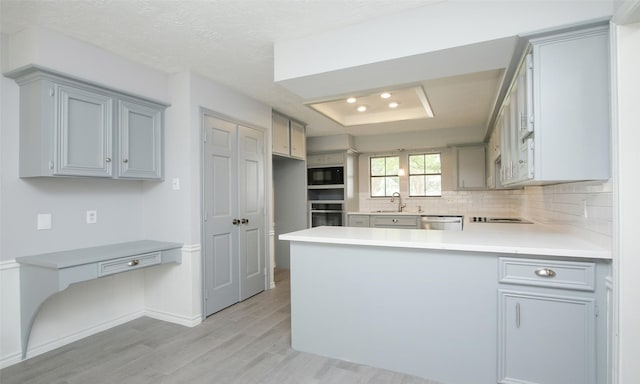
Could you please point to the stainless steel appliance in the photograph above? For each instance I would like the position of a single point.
(510, 220)
(325, 176)
(446, 223)
(326, 213)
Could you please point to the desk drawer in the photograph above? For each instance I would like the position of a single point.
(129, 263)
(548, 273)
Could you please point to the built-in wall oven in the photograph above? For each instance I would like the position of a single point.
(326, 213)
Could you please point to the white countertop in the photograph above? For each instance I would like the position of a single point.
(527, 239)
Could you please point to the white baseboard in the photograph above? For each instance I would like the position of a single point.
(173, 318)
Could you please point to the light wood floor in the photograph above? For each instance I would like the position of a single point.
(246, 343)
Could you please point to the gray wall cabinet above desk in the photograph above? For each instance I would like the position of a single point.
(73, 128)
(43, 275)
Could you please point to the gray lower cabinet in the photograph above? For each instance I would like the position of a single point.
(383, 221)
(394, 221)
(72, 128)
(548, 325)
(546, 338)
(358, 221)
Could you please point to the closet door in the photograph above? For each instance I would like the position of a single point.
(252, 211)
(221, 266)
(234, 213)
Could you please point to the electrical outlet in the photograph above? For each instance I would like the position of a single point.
(175, 184)
(92, 217)
(44, 221)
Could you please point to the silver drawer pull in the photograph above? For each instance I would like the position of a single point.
(395, 220)
(545, 272)
(133, 263)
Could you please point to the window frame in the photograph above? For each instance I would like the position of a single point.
(385, 176)
(426, 174)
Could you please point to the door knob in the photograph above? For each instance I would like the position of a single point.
(245, 221)
(235, 222)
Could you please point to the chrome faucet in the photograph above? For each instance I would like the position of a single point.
(400, 204)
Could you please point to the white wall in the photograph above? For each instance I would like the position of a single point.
(627, 209)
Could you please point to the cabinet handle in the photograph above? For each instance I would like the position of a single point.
(545, 272)
(125, 161)
(245, 221)
(108, 160)
(133, 263)
(517, 315)
(395, 220)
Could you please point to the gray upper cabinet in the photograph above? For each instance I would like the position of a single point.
(555, 119)
(298, 140)
(139, 141)
(83, 127)
(76, 129)
(280, 135)
(288, 137)
(471, 167)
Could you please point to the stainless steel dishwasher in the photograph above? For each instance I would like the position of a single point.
(446, 223)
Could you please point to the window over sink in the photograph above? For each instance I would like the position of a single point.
(425, 175)
(384, 175)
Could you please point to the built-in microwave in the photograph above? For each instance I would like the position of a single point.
(325, 176)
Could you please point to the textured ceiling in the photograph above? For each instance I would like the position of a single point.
(231, 42)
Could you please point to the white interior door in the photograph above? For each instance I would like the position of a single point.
(252, 211)
(221, 264)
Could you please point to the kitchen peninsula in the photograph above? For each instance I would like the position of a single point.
(493, 303)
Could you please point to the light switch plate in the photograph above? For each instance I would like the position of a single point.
(44, 221)
(92, 217)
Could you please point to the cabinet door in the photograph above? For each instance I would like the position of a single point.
(298, 140)
(545, 339)
(139, 141)
(84, 133)
(280, 135)
(471, 168)
(358, 221)
(507, 161)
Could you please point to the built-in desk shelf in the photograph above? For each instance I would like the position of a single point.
(43, 275)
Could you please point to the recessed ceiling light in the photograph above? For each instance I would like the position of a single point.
(362, 108)
(393, 104)
(385, 95)
(351, 100)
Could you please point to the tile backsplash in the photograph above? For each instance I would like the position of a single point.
(476, 203)
(586, 208)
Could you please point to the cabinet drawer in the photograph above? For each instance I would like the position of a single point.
(359, 221)
(395, 221)
(129, 263)
(548, 273)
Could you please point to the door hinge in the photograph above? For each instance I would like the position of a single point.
(597, 310)
(206, 216)
(206, 294)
